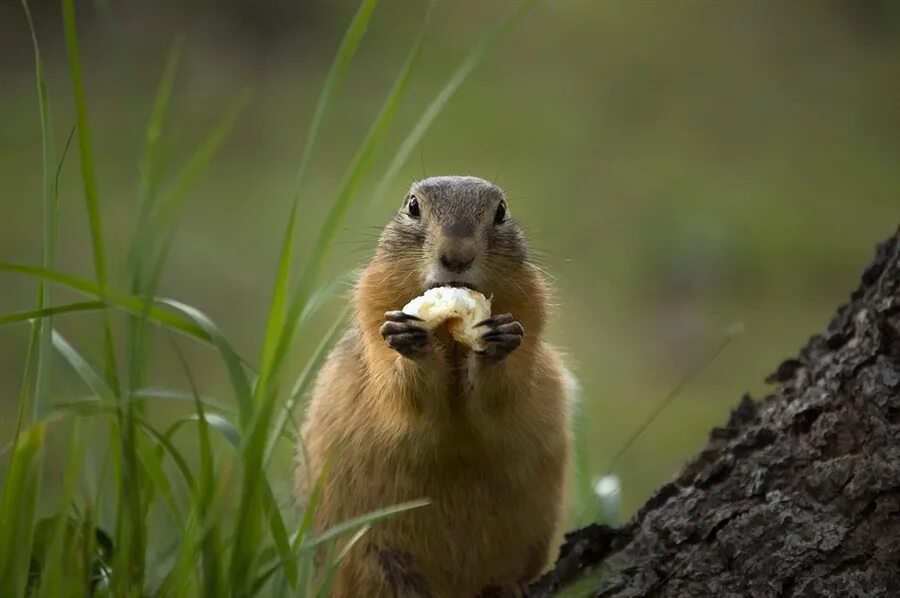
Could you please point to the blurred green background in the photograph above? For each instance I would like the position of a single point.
(677, 166)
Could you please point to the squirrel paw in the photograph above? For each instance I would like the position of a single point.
(404, 335)
(503, 336)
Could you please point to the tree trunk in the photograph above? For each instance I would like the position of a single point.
(798, 495)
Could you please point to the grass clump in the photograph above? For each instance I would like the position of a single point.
(158, 514)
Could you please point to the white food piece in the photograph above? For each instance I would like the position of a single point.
(459, 307)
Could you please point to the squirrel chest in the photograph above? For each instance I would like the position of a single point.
(401, 412)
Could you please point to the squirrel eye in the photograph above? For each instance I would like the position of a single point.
(500, 216)
(412, 206)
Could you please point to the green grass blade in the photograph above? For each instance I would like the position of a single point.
(131, 504)
(357, 170)
(331, 565)
(472, 60)
(88, 172)
(149, 175)
(31, 356)
(339, 67)
(279, 532)
(85, 371)
(312, 504)
(218, 423)
(306, 560)
(58, 570)
(89, 180)
(267, 496)
(171, 202)
(149, 166)
(62, 161)
(307, 548)
(97, 409)
(326, 293)
(239, 382)
(51, 414)
(50, 209)
(187, 326)
(160, 225)
(152, 465)
(154, 394)
(177, 458)
(177, 582)
(79, 284)
(17, 510)
(47, 312)
(257, 506)
(165, 394)
(362, 161)
(305, 567)
(210, 541)
(275, 323)
(336, 74)
(582, 493)
(354, 524)
(303, 381)
(698, 367)
(126, 454)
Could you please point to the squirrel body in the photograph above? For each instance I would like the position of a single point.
(399, 413)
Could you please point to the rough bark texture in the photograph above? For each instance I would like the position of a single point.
(798, 495)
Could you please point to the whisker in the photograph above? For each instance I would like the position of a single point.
(542, 271)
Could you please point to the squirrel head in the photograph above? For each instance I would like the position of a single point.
(455, 231)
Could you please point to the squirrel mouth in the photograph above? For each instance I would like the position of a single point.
(452, 283)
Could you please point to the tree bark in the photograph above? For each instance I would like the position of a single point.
(798, 495)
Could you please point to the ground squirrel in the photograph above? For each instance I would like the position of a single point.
(401, 413)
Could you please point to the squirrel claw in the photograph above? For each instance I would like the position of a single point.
(497, 320)
(503, 336)
(405, 337)
(400, 316)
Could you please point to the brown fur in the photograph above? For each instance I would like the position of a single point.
(486, 443)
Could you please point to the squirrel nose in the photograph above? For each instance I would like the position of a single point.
(457, 261)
